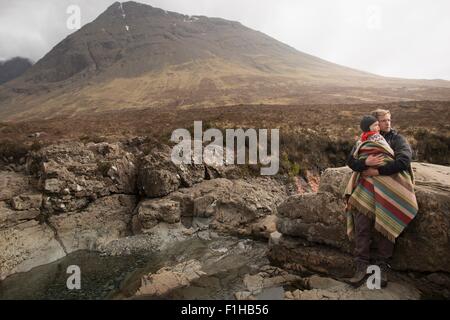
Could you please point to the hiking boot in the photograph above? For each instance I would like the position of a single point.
(360, 275)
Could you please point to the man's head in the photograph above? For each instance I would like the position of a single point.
(384, 119)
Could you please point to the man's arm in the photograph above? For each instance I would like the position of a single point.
(356, 164)
(403, 156)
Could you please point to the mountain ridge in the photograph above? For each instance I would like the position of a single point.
(136, 56)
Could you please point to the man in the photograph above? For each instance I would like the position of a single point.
(364, 225)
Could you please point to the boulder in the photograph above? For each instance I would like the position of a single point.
(313, 225)
(103, 221)
(159, 176)
(153, 211)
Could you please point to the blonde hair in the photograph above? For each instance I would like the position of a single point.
(380, 112)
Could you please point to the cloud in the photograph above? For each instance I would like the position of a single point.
(392, 38)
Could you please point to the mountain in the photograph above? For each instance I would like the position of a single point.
(13, 68)
(137, 56)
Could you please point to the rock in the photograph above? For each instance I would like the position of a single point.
(334, 180)
(73, 174)
(269, 277)
(9, 217)
(264, 227)
(316, 217)
(158, 238)
(300, 255)
(314, 237)
(151, 212)
(159, 176)
(103, 221)
(26, 246)
(244, 295)
(155, 183)
(170, 278)
(231, 206)
(12, 184)
(318, 282)
(27, 201)
(335, 290)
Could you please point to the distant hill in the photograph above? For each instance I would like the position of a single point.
(13, 68)
(137, 56)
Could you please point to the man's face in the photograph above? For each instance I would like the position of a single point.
(385, 122)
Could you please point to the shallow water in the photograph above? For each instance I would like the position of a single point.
(225, 261)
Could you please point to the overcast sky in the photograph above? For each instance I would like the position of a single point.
(401, 38)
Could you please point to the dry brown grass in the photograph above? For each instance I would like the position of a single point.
(310, 135)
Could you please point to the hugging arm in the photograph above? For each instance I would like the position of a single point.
(356, 164)
(403, 155)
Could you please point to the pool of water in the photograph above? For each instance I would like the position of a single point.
(225, 261)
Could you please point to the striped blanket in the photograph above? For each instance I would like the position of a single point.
(389, 200)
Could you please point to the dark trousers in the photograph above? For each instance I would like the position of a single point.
(365, 239)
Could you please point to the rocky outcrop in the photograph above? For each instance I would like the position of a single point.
(30, 235)
(73, 174)
(311, 227)
(103, 221)
(77, 195)
(230, 206)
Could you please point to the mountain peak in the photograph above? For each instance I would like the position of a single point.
(136, 55)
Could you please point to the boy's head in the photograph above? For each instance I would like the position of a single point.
(369, 123)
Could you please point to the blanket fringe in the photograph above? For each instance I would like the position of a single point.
(369, 214)
(383, 231)
(358, 207)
